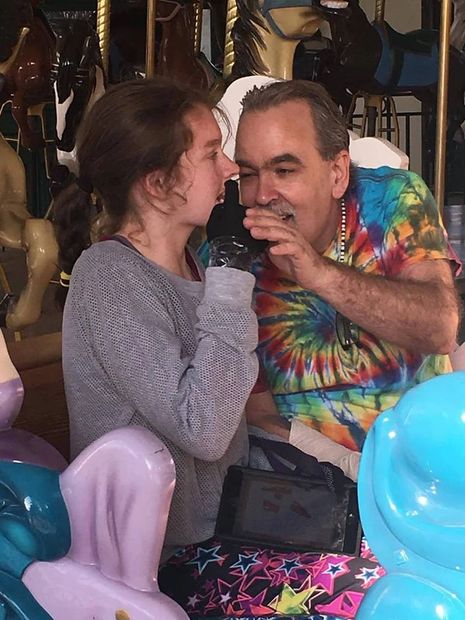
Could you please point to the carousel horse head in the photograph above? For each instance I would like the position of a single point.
(263, 27)
(411, 481)
(77, 76)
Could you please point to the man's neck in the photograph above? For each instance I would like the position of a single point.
(332, 224)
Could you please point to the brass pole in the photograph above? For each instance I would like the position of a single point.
(103, 30)
(231, 16)
(198, 8)
(379, 11)
(441, 115)
(150, 39)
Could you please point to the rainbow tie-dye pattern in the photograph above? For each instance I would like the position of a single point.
(392, 222)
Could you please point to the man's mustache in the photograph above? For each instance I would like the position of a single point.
(283, 210)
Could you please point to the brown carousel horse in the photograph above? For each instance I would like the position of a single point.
(177, 43)
(25, 81)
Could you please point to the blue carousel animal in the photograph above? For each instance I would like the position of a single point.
(374, 58)
(411, 494)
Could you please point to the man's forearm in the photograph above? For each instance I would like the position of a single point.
(419, 316)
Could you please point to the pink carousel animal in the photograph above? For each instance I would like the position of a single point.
(86, 542)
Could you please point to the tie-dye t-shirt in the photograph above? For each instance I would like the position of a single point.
(392, 222)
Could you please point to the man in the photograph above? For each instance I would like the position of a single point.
(355, 295)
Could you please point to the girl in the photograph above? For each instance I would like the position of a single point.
(148, 337)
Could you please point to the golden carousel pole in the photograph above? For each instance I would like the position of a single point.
(150, 39)
(379, 11)
(198, 8)
(441, 115)
(103, 30)
(231, 16)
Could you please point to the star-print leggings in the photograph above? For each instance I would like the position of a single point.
(214, 579)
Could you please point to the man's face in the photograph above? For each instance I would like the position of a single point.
(281, 169)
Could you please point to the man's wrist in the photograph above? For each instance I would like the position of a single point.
(323, 277)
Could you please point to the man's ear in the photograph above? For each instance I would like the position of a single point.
(340, 169)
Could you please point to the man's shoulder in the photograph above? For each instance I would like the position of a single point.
(384, 175)
(380, 192)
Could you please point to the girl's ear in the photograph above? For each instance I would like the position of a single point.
(154, 183)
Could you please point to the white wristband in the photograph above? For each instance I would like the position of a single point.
(322, 448)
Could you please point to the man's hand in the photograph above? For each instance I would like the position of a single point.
(289, 251)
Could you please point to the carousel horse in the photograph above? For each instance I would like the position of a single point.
(78, 81)
(374, 58)
(19, 230)
(177, 43)
(86, 542)
(25, 77)
(266, 34)
(176, 59)
(411, 481)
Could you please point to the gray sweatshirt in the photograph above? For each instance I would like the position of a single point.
(144, 346)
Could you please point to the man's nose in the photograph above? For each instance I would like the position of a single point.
(266, 191)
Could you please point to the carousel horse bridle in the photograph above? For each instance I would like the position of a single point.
(270, 5)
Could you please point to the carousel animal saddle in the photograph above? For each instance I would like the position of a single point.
(406, 60)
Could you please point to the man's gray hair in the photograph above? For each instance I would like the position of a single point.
(330, 126)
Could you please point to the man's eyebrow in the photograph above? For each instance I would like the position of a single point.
(284, 158)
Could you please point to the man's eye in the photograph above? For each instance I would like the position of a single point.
(214, 155)
(284, 171)
(245, 175)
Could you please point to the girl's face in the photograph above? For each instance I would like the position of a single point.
(203, 168)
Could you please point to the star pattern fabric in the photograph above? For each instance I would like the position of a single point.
(214, 580)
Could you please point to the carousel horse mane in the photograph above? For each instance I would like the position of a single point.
(78, 78)
(247, 40)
